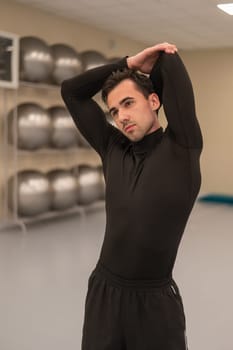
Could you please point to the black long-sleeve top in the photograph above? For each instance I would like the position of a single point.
(151, 184)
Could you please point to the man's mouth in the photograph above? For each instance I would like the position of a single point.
(129, 127)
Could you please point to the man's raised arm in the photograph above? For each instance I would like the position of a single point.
(77, 94)
(173, 86)
(172, 83)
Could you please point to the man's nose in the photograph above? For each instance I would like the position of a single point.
(123, 116)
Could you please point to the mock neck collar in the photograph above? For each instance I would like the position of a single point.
(148, 142)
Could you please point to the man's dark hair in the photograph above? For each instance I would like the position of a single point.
(142, 82)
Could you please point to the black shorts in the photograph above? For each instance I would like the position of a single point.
(132, 315)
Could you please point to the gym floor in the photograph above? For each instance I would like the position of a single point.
(43, 280)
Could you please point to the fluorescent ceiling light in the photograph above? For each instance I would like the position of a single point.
(228, 8)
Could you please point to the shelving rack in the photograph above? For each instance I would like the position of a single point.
(12, 93)
(12, 156)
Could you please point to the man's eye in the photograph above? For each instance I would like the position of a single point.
(128, 103)
(114, 114)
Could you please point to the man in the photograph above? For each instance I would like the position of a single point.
(152, 180)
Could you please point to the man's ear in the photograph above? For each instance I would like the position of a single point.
(154, 101)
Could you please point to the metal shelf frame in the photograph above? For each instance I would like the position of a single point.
(10, 155)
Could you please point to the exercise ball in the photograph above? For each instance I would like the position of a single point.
(33, 124)
(33, 193)
(64, 132)
(36, 62)
(92, 59)
(64, 187)
(67, 62)
(89, 184)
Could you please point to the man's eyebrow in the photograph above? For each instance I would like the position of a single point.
(121, 102)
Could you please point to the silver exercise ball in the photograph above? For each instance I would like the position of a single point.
(64, 187)
(33, 193)
(36, 61)
(89, 184)
(67, 62)
(92, 59)
(33, 126)
(64, 133)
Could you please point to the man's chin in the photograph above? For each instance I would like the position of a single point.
(133, 137)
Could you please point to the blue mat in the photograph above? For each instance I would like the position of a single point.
(216, 198)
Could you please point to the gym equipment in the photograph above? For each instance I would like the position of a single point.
(64, 133)
(216, 198)
(64, 186)
(92, 59)
(33, 193)
(67, 62)
(33, 124)
(36, 62)
(89, 188)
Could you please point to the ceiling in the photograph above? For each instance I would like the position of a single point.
(196, 24)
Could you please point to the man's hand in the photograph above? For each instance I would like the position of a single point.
(145, 60)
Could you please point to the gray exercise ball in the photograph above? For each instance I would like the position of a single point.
(36, 61)
(33, 125)
(33, 193)
(92, 59)
(64, 187)
(64, 132)
(89, 184)
(67, 62)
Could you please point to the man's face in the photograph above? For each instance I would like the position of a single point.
(133, 114)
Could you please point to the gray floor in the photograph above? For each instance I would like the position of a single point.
(43, 280)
